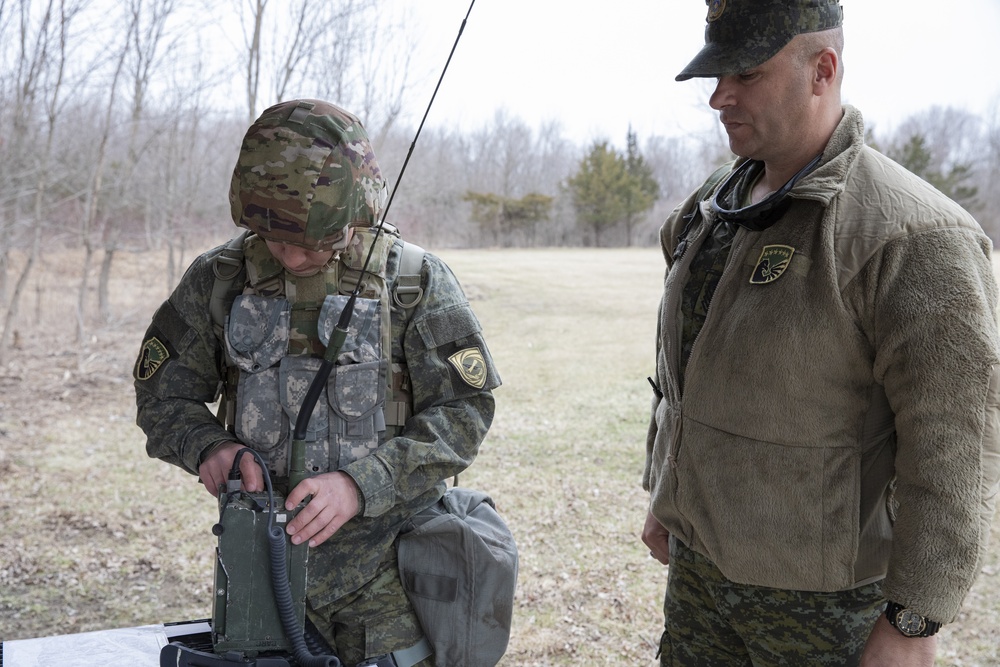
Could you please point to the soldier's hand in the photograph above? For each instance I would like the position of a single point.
(656, 537)
(334, 502)
(214, 470)
(887, 647)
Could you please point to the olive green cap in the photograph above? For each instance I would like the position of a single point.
(742, 34)
(306, 171)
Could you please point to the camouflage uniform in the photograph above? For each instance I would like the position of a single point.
(714, 622)
(278, 325)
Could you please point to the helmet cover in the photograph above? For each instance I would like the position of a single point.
(306, 171)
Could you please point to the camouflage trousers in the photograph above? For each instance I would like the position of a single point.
(372, 621)
(713, 622)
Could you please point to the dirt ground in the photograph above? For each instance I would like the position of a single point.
(96, 535)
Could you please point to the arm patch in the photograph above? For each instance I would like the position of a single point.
(471, 366)
(167, 330)
(152, 355)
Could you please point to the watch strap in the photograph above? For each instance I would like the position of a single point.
(908, 622)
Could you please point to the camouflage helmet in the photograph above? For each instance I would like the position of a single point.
(306, 172)
(742, 34)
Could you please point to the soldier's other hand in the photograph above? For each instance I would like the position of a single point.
(214, 470)
(887, 647)
(656, 537)
(334, 502)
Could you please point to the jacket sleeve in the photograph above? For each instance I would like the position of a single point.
(932, 299)
(452, 377)
(177, 374)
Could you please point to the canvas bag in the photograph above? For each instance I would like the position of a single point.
(458, 565)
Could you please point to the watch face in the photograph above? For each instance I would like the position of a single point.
(910, 623)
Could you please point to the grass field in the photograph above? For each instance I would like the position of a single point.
(96, 535)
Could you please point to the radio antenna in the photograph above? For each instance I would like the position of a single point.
(416, 136)
(339, 334)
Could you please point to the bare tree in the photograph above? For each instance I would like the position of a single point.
(42, 65)
(94, 191)
(989, 173)
(147, 29)
(252, 40)
(7, 190)
(384, 69)
(326, 49)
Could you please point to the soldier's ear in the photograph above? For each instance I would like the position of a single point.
(826, 69)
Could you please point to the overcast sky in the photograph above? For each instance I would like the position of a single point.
(598, 66)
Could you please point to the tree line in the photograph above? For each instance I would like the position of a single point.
(113, 138)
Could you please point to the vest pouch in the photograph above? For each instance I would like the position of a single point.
(297, 375)
(364, 335)
(458, 564)
(256, 332)
(356, 394)
(259, 421)
(357, 386)
(256, 338)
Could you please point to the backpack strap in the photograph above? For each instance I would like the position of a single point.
(407, 293)
(226, 266)
(709, 186)
(691, 217)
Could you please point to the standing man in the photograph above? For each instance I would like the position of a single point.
(823, 455)
(406, 407)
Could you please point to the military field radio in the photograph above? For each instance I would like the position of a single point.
(258, 609)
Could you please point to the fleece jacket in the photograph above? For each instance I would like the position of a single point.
(839, 421)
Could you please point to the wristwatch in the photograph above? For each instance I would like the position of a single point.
(909, 622)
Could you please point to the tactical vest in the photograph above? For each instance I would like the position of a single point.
(274, 336)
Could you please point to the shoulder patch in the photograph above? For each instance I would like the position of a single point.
(471, 366)
(151, 357)
(774, 259)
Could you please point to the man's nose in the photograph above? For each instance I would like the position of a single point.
(723, 95)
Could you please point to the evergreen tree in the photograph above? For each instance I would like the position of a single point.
(641, 189)
(598, 189)
(503, 217)
(610, 189)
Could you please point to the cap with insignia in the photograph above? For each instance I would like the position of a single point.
(742, 34)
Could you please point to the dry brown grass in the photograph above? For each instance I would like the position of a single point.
(96, 535)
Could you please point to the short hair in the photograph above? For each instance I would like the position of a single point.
(807, 45)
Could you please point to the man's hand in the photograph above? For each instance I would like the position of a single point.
(334, 502)
(887, 647)
(656, 537)
(214, 470)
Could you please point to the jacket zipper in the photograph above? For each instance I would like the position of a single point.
(672, 304)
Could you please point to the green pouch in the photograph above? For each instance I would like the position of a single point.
(458, 564)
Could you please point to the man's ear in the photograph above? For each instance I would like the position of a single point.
(827, 70)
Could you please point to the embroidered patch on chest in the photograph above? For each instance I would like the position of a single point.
(152, 356)
(774, 259)
(471, 366)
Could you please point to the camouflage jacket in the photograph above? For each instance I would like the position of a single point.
(178, 374)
